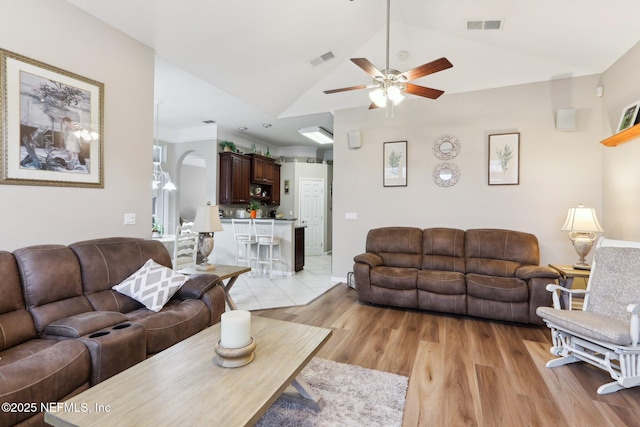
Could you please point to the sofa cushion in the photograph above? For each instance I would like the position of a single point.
(16, 324)
(152, 285)
(443, 249)
(394, 278)
(506, 289)
(176, 321)
(495, 252)
(51, 283)
(397, 246)
(442, 282)
(107, 262)
(41, 371)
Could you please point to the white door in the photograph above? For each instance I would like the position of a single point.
(312, 214)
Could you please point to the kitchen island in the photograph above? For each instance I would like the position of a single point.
(224, 251)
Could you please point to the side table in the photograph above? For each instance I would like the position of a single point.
(224, 272)
(567, 274)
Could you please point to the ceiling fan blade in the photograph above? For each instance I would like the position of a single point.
(344, 89)
(423, 91)
(426, 69)
(373, 106)
(367, 66)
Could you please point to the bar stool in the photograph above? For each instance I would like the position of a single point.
(263, 230)
(244, 240)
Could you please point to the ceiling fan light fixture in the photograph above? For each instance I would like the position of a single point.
(378, 97)
(395, 94)
(317, 134)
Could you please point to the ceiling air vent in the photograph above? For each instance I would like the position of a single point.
(488, 24)
(322, 58)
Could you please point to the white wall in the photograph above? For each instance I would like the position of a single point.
(192, 195)
(621, 180)
(558, 170)
(58, 34)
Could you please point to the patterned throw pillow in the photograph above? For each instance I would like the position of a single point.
(152, 285)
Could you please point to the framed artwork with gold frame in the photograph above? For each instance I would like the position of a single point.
(52, 125)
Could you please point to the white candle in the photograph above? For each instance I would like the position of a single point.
(235, 329)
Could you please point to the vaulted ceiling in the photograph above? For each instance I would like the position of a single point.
(248, 63)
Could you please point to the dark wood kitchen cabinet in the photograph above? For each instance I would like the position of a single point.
(262, 169)
(235, 179)
(275, 188)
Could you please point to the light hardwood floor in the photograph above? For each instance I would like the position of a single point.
(465, 371)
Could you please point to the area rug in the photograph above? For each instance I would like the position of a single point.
(354, 396)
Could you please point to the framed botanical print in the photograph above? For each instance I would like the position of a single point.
(52, 125)
(504, 159)
(395, 164)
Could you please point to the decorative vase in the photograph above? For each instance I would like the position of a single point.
(254, 214)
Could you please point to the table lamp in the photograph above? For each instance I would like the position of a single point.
(582, 225)
(206, 223)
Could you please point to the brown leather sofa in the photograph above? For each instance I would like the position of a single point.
(489, 273)
(63, 329)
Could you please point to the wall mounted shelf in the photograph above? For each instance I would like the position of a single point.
(622, 137)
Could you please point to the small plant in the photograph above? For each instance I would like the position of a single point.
(156, 227)
(228, 144)
(254, 205)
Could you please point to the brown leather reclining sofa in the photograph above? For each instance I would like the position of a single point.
(487, 273)
(63, 329)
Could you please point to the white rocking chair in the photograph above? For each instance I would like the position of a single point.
(605, 332)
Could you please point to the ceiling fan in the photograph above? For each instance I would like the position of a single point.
(389, 84)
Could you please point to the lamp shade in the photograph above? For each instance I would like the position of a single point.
(207, 219)
(582, 219)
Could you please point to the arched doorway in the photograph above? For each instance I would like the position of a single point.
(192, 185)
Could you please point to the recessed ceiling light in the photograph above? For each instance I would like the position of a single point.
(242, 128)
(266, 125)
(208, 121)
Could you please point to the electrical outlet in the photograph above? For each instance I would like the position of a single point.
(129, 219)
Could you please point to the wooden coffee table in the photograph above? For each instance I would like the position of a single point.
(183, 385)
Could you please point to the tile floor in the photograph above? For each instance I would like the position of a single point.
(260, 292)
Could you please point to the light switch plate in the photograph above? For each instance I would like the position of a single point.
(129, 219)
(351, 215)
